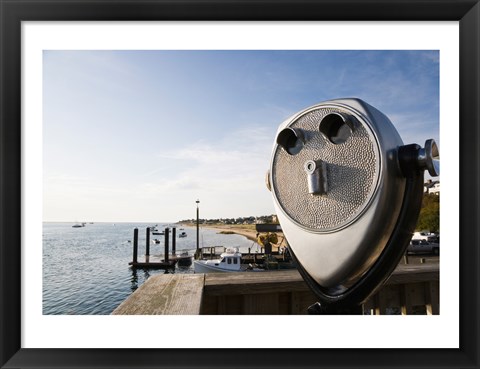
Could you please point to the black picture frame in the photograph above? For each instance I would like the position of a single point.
(13, 12)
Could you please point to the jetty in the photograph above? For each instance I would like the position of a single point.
(412, 288)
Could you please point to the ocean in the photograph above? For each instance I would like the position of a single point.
(86, 271)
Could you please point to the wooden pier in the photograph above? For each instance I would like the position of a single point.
(412, 288)
(173, 294)
(272, 261)
(147, 264)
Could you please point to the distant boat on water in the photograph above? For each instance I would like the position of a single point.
(78, 225)
(182, 234)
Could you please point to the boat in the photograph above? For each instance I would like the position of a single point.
(182, 234)
(230, 261)
(156, 233)
(156, 240)
(78, 225)
(184, 259)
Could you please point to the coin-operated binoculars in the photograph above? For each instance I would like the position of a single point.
(347, 193)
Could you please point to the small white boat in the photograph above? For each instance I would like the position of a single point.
(78, 225)
(184, 259)
(182, 234)
(230, 261)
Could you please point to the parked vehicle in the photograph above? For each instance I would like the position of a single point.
(423, 247)
(426, 235)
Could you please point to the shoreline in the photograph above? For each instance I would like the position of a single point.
(250, 234)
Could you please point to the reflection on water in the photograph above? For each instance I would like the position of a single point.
(134, 281)
(86, 271)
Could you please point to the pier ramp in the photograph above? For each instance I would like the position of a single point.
(165, 294)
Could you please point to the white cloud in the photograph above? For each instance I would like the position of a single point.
(235, 164)
(227, 175)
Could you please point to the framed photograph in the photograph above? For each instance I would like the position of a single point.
(67, 67)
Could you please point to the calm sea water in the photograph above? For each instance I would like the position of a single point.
(86, 271)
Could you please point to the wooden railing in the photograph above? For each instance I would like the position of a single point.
(411, 289)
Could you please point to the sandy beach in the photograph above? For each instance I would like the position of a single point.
(248, 231)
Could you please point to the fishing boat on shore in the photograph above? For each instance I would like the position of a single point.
(229, 261)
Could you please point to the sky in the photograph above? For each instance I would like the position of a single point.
(139, 136)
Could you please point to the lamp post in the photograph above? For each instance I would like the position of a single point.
(198, 243)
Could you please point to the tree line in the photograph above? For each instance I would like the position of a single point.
(429, 218)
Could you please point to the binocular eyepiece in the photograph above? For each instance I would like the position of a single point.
(347, 193)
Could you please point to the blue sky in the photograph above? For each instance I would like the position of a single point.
(140, 135)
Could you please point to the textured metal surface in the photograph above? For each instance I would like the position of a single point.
(352, 174)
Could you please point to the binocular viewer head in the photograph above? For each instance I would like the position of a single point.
(339, 176)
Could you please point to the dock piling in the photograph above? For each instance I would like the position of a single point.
(167, 231)
(147, 242)
(198, 236)
(174, 240)
(135, 244)
(147, 263)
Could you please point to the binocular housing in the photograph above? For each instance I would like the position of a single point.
(347, 193)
